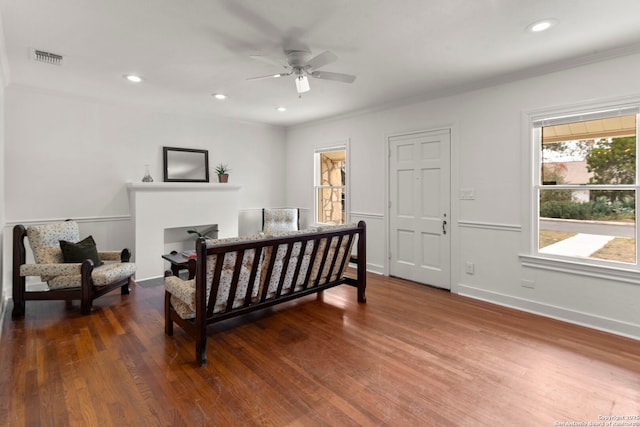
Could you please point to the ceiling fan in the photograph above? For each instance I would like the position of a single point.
(300, 64)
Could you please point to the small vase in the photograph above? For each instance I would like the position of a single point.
(147, 175)
(223, 178)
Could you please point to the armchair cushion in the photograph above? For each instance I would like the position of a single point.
(78, 252)
(182, 308)
(101, 276)
(49, 270)
(184, 291)
(276, 220)
(278, 264)
(48, 255)
(49, 235)
(45, 241)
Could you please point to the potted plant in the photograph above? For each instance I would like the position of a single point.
(197, 233)
(204, 233)
(223, 172)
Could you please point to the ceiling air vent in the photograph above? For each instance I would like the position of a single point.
(47, 57)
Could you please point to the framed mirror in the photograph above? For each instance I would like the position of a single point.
(185, 164)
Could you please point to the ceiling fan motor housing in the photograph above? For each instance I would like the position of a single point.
(297, 58)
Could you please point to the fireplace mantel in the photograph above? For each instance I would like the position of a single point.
(180, 186)
(156, 206)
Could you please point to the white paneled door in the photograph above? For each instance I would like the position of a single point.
(419, 204)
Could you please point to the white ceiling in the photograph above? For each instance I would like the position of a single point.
(399, 49)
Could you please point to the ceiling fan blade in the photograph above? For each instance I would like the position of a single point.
(321, 60)
(270, 61)
(338, 77)
(270, 76)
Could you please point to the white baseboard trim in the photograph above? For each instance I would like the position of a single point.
(375, 268)
(3, 308)
(604, 324)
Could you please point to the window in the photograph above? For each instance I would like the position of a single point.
(585, 186)
(331, 185)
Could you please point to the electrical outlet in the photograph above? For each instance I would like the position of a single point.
(528, 284)
(470, 267)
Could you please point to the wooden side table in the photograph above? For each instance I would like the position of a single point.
(180, 262)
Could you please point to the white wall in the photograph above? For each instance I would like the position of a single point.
(57, 144)
(3, 293)
(487, 131)
(70, 157)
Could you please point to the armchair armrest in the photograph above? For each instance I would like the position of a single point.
(109, 255)
(122, 256)
(50, 269)
(184, 290)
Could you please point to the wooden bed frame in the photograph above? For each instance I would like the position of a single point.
(321, 254)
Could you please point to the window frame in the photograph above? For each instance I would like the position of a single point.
(532, 162)
(316, 187)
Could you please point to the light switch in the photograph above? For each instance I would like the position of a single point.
(467, 194)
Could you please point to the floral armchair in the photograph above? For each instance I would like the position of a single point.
(76, 279)
(278, 220)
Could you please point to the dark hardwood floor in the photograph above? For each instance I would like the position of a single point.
(411, 356)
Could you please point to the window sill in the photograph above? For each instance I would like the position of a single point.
(625, 275)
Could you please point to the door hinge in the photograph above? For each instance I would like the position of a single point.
(389, 204)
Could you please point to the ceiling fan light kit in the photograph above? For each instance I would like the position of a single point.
(300, 64)
(302, 84)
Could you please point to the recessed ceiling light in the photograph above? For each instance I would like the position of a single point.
(219, 96)
(539, 26)
(133, 78)
(281, 109)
